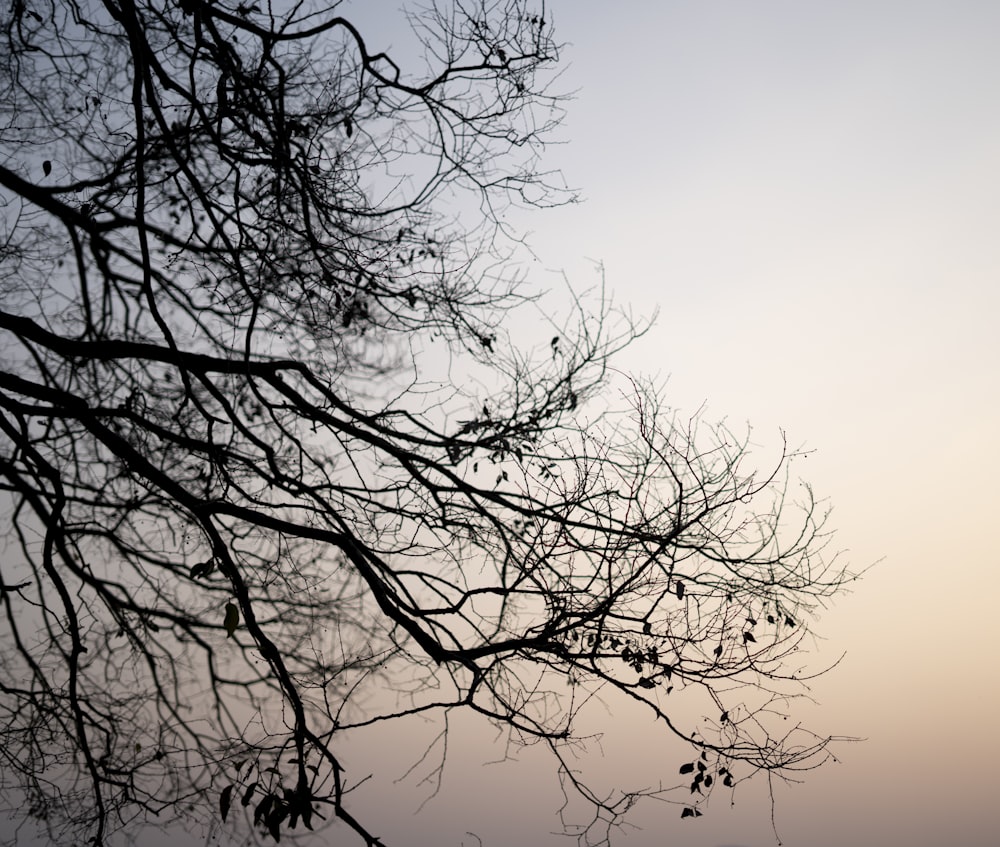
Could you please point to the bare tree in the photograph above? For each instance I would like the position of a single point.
(274, 468)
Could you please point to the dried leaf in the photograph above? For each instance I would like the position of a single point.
(232, 619)
(224, 799)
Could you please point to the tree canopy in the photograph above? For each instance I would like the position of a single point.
(277, 464)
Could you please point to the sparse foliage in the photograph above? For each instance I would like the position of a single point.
(274, 467)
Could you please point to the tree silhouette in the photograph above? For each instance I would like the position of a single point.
(274, 468)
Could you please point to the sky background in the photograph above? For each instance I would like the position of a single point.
(809, 192)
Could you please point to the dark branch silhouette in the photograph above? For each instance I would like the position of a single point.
(274, 469)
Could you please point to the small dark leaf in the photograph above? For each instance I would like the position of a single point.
(789, 621)
(306, 811)
(687, 813)
(224, 800)
(701, 768)
(202, 569)
(679, 589)
(263, 808)
(232, 619)
(46, 167)
(748, 636)
(688, 768)
(274, 820)
(248, 794)
(725, 717)
(718, 651)
(708, 781)
(770, 618)
(647, 628)
(728, 780)
(645, 682)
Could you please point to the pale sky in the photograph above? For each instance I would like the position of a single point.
(810, 194)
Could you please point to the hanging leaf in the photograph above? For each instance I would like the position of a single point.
(248, 794)
(690, 813)
(645, 682)
(202, 569)
(748, 636)
(274, 820)
(688, 768)
(679, 589)
(232, 619)
(263, 809)
(718, 651)
(224, 799)
(789, 621)
(724, 718)
(46, 167)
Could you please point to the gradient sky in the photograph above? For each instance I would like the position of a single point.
(810, 194)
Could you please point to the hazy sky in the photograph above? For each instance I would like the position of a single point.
(810, 194)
